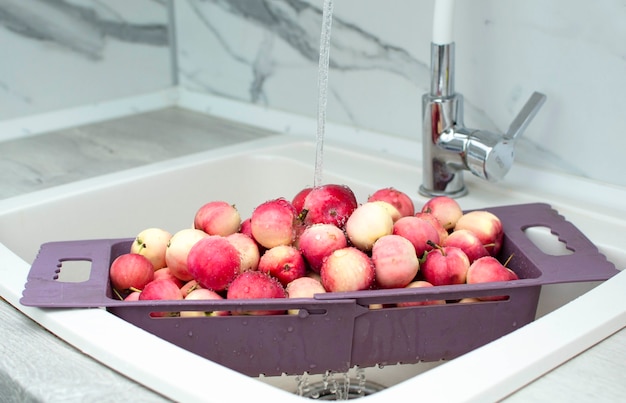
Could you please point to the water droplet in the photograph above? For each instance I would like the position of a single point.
(290, 329)
(190, 334)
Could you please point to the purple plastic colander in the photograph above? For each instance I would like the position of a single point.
(336, 331)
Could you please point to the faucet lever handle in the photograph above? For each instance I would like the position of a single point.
(524, 116)
(490, 156)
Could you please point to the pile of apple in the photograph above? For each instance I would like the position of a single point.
(322, 240)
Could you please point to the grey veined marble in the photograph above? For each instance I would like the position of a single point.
(262, 73)
(78, 28)
(55, 158)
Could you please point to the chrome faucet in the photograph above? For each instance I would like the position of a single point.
(449, 148)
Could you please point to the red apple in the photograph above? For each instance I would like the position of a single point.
(489, 269)
(318, 241)
(161, 289)
(367, 223)
(166, 272)
(395, 261)
(246, 227)
(285, 262)
(468, 242)
(347, 269)
(217, 218)
(418, 231)
(445, 209)
(443, 233)
(248, 250)
(445, 266)
(131, 270)
(273, 223)
(214, 262)
(178, 249)
(255, 285)
(486, 226)
(418, 284)
(298, 199)
(152, 243)
(400, 200)
(329, 204)
(203, 294)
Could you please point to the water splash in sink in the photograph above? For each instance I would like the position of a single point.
(335, 386)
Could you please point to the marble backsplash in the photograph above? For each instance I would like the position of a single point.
(64, 53)
(59, 54)
(266, 52)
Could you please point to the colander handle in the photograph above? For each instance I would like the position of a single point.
(585, 263)
(44, 289)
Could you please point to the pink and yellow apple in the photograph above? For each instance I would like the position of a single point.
(486, 226)
(367, 223)
(214, 262)
(395, 261)
(274, 223)
(152, 243)
(400, 200)
(347, 269)
(217, 218)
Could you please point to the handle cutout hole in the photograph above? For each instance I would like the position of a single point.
(546, 241)
(73, 271)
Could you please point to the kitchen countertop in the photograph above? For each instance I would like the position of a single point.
(37, 162)
(37, 366)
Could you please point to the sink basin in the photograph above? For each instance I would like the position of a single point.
(571, 317)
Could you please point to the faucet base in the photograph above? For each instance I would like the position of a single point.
(433, 193)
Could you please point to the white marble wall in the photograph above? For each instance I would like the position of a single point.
(63, 53)
(58, 54)
(265, 52)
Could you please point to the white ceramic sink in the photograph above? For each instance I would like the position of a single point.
(167, 194)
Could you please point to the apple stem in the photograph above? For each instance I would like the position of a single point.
(193, 287)
(303, 214)
(134, 289)
(509, 259)
(118, 294)
(142, 245)
(434, 245)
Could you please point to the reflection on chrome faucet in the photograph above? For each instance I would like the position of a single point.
(449, 148)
